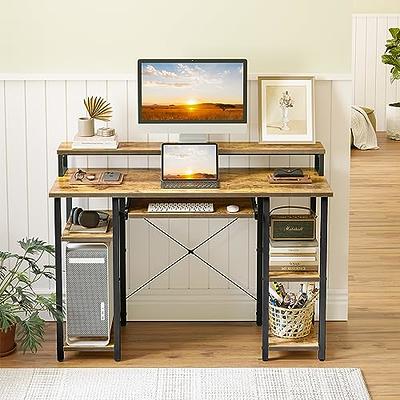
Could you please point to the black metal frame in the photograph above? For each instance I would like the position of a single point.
(62, 169)
(59, 285)
(323, 279)
(319, 160)
(263, 215)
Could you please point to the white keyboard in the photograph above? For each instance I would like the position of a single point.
(180, 208)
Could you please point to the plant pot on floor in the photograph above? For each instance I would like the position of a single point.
(7, 341)
(393, 121)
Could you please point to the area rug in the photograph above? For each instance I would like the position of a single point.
(182, 384)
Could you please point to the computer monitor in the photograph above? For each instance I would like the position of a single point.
(192, 97)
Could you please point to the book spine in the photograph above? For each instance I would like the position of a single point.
(286, 258)
(96, 146)
(293, 263)
(293, 250)
(299, 268)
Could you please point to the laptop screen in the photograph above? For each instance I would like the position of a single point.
(189, 162)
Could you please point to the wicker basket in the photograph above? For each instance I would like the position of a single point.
(291, 323)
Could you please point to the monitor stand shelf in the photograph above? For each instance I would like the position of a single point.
(224, 148)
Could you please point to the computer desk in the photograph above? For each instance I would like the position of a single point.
(247, 187)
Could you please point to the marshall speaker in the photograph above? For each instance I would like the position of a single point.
(89, 305)
(292, 226)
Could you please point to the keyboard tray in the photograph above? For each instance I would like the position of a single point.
(138, 208)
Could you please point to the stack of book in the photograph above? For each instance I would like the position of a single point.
(95, 142)
(293, 255)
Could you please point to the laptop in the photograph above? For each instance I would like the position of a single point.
(189, 166)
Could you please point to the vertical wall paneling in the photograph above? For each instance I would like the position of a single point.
(4, 222)
(371, 57)
(75, 94)
(56, 129)
(118, 97)
(97, 88)
(371, 79)
(218, 253)
(339, 162)
(35, 116)
(17, 178)
(238, 252)
(198, 271)
(138, 262)
(159, 253)
(36, 158)
(179, 274)
(360, 60)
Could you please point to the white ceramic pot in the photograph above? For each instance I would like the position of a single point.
(85, 126)
(393, 121)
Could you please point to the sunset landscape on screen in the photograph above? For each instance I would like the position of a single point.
(176, 92)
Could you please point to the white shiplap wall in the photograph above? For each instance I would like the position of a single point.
(371, 79)
(37, 114)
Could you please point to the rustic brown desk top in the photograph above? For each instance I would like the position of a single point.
(225, 148)
(234, 182)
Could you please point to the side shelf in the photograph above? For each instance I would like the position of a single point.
(309, 342)
(294, 276)
(68, 236)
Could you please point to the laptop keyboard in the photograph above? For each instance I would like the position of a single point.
(189, 185)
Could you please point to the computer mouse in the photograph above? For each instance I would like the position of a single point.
(232, 208)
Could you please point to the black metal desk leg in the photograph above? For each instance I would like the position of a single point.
(313, 203)
(319, 164)
(62, 169)
(58, 265)
(116, 277)
(68, 206)
(323, 278)
(122, 260)
(265, 207)
(259, 263)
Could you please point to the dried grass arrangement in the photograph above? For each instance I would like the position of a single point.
(98, 108)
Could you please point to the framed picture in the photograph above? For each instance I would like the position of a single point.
(286, 109)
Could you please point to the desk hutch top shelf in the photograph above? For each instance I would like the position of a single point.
(224, 148)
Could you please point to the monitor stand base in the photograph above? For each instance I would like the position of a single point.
(193, 138)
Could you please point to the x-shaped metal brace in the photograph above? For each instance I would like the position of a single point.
(191, 251)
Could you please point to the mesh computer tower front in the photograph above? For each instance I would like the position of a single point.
(89, 294)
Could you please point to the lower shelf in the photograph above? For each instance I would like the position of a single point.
(108, 347)
(309, 342)
(294, 276)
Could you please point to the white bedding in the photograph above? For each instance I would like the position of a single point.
(364, 135)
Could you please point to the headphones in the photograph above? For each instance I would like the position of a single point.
(87, 218)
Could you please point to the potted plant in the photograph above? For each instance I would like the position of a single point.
(21, 307)
(392, 58)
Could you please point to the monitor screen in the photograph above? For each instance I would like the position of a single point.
(192, 91)
(189, 161)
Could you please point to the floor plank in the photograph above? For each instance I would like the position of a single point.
(370, 340)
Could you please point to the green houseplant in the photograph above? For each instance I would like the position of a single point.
(21, 307)
(392, 58)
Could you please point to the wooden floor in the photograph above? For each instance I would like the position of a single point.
(370, 340)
